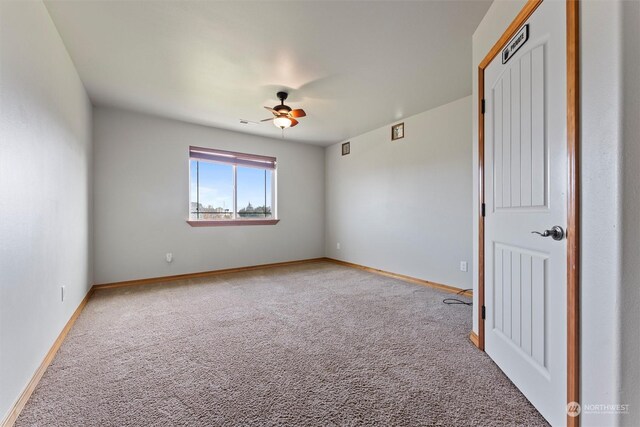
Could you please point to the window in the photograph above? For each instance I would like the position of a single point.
(228, 188)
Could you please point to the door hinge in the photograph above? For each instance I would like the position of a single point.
(483, 210)
(482, 106)
(484, 312)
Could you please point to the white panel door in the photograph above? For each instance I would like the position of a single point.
(525, 191)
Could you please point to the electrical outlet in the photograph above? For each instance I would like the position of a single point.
(338, 246)
(169, 257)
(463, 265)
(61, 293)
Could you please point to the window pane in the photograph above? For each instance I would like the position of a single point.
(254, 193)
(211, 195)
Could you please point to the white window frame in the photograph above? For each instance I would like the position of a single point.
(235, 159)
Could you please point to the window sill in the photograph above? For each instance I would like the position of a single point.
(223, 223)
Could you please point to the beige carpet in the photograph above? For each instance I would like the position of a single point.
(309, 345)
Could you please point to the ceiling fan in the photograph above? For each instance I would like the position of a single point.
(284, 116)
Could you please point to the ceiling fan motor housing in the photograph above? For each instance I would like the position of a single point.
(282, 109)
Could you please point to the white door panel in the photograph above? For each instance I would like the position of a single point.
(519, 142)
(525, 191)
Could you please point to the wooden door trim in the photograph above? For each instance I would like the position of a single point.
(573, 207)
(573, 191)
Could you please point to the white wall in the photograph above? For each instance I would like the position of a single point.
(45, 192)
(405, 206)
(601, 210)
(603, 354)
(141, 200)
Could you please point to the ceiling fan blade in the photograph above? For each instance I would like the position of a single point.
(297, 113)
(275, 113)
(294, 122)
(267, 120)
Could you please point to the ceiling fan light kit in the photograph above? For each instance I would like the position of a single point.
(282, 122)
(285, 117)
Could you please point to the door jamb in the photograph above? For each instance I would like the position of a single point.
(573, 190)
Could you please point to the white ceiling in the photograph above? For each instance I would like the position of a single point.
(352, 65)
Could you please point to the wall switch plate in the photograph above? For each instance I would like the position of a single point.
(463, 265)
(169, 257)
(61, 293)
(338, 246)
